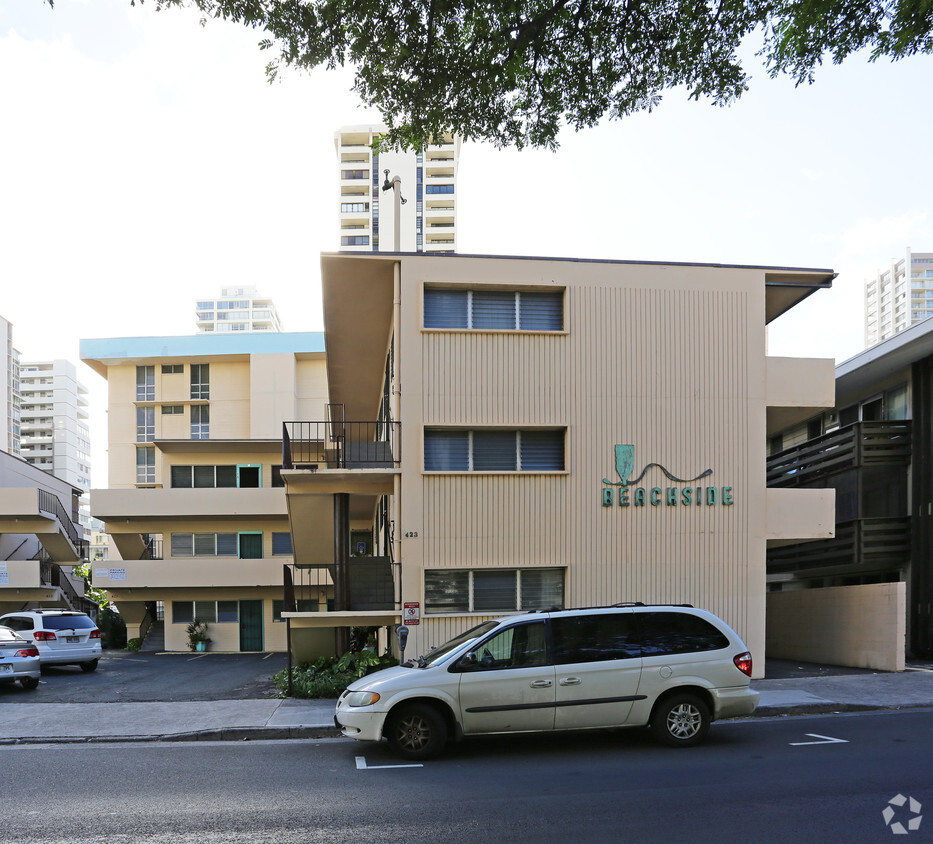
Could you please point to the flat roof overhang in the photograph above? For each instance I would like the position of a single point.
(195, 348)
(358, 297)
(857, 376)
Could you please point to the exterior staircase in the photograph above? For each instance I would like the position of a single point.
(155, 637)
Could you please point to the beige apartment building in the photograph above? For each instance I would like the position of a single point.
(524, 432)
(484, 436)
(195, 504)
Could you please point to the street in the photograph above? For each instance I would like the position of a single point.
(799, 779)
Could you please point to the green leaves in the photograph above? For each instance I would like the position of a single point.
(513, 72)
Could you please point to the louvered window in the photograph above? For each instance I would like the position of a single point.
(492, 590)
(493, 309)
(502, 310)
(494, 451)
(485, 450)
(446, 451)
(445, 308)
(281, 543)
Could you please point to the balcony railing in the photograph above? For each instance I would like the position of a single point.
(862, 546)
(340, 445)
(860, 444)
(372, 584)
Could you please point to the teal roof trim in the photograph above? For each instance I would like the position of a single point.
(197, 345)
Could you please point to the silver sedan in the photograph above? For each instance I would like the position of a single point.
(19, 659)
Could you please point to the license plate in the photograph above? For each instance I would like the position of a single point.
(71, 639)
(6, 669)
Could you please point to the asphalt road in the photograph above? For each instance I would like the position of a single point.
(803, 779)
(127, 676)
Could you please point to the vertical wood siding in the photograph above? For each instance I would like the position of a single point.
(663, 368)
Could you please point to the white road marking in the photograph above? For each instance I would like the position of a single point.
(362, 766)
(823, 740)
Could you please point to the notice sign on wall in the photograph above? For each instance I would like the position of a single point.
(411, 613)
(118, 574)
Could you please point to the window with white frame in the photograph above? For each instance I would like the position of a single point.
(145, 424)
(504, 310)
(145, 383)
(200, 381)
(200, 421)
(203, 477)
(492, 590)
(212, 612)
(493, 450)
(145, 464)
(205, 545)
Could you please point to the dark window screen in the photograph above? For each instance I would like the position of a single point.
(676, 633)
(594, 638)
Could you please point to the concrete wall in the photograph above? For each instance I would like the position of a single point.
(857, 626)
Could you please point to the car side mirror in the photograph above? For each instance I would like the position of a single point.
(467, 661)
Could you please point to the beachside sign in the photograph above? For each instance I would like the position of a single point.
(626, 492)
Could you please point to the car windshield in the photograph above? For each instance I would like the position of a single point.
(66, 622)
(456, 642)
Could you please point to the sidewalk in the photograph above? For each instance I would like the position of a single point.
(239, 720)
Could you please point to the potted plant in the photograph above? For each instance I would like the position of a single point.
(197, 635)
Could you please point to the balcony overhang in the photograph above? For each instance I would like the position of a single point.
(235, 446)
(329, 481)
(140, 506)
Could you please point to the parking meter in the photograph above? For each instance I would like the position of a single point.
(402, 632)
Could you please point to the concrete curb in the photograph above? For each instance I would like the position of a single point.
(231, 734)
(223, 734)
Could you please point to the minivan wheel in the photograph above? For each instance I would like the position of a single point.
(89, 666)
(681, 721)
(416, 731)
(29, 682)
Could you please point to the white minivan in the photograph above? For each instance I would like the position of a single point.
(673, 667)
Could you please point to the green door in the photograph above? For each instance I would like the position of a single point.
(250, 625)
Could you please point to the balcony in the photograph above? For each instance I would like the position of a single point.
(189, 572)
(857, 445)
(340, 445)
(213, 503)
(860, 547)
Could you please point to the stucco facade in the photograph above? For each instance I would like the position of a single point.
(607, 369)
(194, 502)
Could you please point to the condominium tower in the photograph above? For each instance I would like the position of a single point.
(9, 391)
(238, 309)
(54, 433)
(428, 219)
(899, 296)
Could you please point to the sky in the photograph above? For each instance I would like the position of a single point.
(145, 162)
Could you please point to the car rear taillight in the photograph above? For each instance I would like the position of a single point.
(27, 652)
(95, 634)
(43, 636)
(744, 663)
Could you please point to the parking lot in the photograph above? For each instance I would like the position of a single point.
(140, 677)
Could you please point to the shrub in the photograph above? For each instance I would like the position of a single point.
(134, 644)
(112, 628)
(328, 676)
